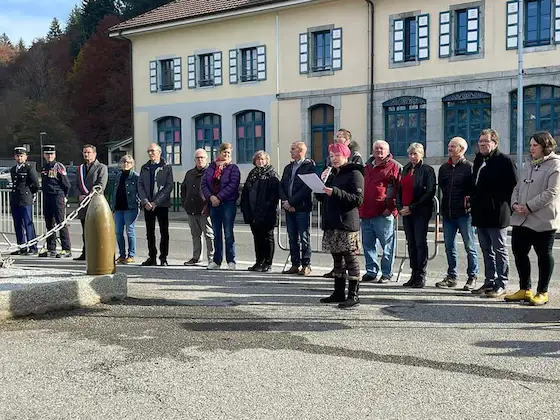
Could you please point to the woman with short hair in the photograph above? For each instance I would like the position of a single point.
(415, 204)
(220, 185)
(126, 207)
(259, 205)
(536, 205)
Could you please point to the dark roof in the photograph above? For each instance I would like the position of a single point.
(185, 9)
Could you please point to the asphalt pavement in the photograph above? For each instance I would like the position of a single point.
(189, 343)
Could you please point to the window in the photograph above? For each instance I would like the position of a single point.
(166, 82)
(320, 50)
(537, 22)
(461, 33)
(322, 58)
(405, 123)
(410, 43)
(249, 64)
(169, 139)
(322, 132)
(208, 128)
(466, 114)
(206, 70)
(541, 111)
(250, 135)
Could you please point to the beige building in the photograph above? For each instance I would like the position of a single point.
(262, 74)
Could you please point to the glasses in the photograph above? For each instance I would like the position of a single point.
(152, 150)
(127, 162)
(200, 157)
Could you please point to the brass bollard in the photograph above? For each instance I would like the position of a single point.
(100, 237)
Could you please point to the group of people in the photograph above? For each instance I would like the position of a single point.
(357, 196)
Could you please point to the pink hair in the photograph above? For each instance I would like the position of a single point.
(340, 149)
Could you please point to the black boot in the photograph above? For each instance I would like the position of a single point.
(338, 294)
(352, 300)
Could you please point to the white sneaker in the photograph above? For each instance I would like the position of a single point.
(231, 266)
(213, 266)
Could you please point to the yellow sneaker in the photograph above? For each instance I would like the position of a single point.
(121, 260)
(129, 260)
(539, 299)
(521, 295)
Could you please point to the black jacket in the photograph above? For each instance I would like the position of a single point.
(259, 198)
(491, 195)
(340, 210)
(25, 183)
(424, 189)
(455, 183)
(192, 199)
(300, 198)
(54, 179)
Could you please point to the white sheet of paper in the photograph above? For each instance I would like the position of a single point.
(313, 182)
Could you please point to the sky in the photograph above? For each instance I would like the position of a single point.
(30, 19)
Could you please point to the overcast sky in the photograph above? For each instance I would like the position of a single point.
(30, 19)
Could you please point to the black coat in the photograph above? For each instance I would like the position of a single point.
(340, 210)
(192, 199)
(25, 183)
(455, 183)
(259, 198)
(424, 189)
(491, 195)
(300, 198)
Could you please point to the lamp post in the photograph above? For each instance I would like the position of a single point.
(41, 135)
(520, 93)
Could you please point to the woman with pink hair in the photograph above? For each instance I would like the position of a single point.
(343, 195)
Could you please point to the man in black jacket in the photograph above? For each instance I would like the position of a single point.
(295, 196)
(494, 178)
(197, 209)
(455, 181)
(25, 183)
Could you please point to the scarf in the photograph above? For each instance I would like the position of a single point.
(220, 165)
(264, 172)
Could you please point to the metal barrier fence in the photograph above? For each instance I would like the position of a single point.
(6, 221)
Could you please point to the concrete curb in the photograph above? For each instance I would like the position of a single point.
(35, 299)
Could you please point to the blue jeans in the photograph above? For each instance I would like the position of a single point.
(223, 216)
(382, 229)
(298, 235)
(493, 243)
(462, 224)
(126, 219)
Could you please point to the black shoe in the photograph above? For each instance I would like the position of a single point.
(18, 252)
(82, 257)
(329, 275)
(409, 283)
(352, 299)
(49, 254)
(149, 262)
(255, 267)
(368, 278)
(265, 268)
(163, 262)
(192, 261)
(418, 285)
(339, 295)
(32, 251)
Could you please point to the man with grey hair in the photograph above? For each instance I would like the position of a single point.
(455, 182)
(198, 215)
(378, 211)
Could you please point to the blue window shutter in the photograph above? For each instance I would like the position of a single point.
(233, 66)
(423, 37)
(191, 67)
(337, 49)
(556, 30)
(444, 34)
(512, 24)
(218, 79)
(261, 62)
(153, 77)
(473, 28)
(304, 53)
(177, 82)
(398, 40)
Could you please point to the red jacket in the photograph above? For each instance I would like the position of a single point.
(380, 188)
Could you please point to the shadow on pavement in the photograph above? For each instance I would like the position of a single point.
(523, 348)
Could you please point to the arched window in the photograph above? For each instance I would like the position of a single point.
(169, 139)
(250, 135)
(541, 111)
(405, 123)
(466, 114)
(208, 132)
(322, 132)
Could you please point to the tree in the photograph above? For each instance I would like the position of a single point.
(132, 8)
(93, 12)
(21, 48)
(7, 49)
(54, 31)
(5, 39)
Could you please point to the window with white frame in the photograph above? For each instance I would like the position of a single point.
(541, 23)
(320, 50)
(411, 38)
(165, 75)
(205, 70)
(247, 64)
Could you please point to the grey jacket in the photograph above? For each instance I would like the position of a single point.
(98, 174)
(160, 192)
(538, 188)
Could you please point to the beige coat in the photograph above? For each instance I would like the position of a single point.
(539, 189)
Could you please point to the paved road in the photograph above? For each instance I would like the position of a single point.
(192, 343)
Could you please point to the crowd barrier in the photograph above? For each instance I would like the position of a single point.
(6, 220)
(316, 236)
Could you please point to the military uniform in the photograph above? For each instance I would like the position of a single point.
(25, 183)
(55, 185)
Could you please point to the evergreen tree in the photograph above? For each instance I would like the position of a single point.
(54, 31)
(21, 46)
(131, 8)
(5, 40)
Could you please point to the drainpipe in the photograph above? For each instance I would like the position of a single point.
(278, 91)
(371, 70)
(120, 36)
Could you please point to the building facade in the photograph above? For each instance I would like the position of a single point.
(262, 74)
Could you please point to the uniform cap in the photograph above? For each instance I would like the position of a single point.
(49, 148)
(20, 150)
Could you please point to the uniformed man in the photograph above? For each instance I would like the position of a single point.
(56, 185)
(25, 183)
